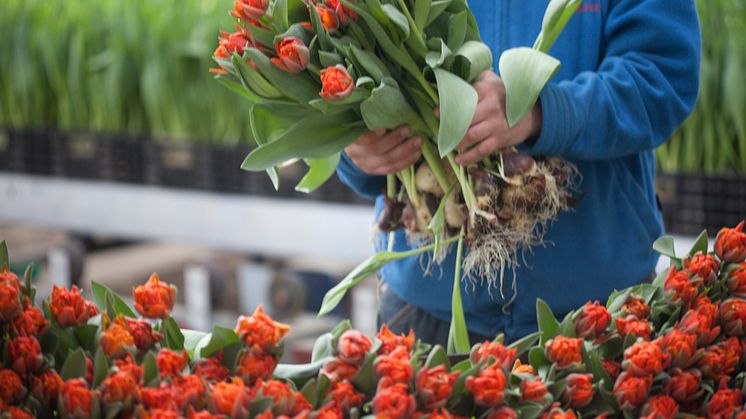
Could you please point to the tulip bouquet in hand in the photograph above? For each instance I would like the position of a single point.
(320, 73)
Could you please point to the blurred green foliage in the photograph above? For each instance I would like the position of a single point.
(713, 139)
(138, 66)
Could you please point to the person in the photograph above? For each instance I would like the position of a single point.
(629, 77)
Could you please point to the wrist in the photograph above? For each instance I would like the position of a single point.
(536, 119)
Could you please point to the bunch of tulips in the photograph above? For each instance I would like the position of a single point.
(672, 348)
(317, 74)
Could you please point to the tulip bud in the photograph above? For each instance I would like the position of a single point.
(30, 322)
(171, 363)
(249, 10)
(579, 391)
(393, 401)
(631, 391)
(336, 83)
(395, 366)
(77, 399)
(503, 412)
(565, 352)
(345, 395)
(487, 387)
(736, 281)
(292, 55)
(592, 321)
(155, 299)
(11, 387)
(212, 370)
(684, 386)
(24, 354)
(493, 352)
(643, 359)
(345, 14)
(10, 301)
(679, 348)
(725, 403)
(337, 370)
(636, 307)
(191, 391)
(702, 268)
(533, 390)
(631, 325)
(434, 385)
(46, 387)
(119, 387)
(556, 412)
(719, 361)
(328, 18)
(678, 288)
(733, 317)
(260, 331)
(69, 308)
(353, 346)
(115, 340)
(282, 396)
(15, 412)
(660, 407)
(143, 334)
(230, 398)
(700, 323)
(255, 366)
(390, 341)
(730, 244)
(612, 368)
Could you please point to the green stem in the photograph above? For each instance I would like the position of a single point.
(391, 186)
(466, 189)
(407, 180)
(458, 334)
(488, 163)
(430, 153)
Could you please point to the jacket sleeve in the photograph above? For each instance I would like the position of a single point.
(362, 183)
(645, 85)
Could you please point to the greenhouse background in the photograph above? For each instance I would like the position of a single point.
(107, 106)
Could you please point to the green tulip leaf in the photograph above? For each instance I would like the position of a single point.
(397, 18)
(387, 108)
(524, 344)
(102, 294)
(548, 324)
(458, 334)
(456, 30)
(437, 7)
(458, 102)
(525, 72)
(172, 337)
(4, 259)
(100, 367)
(700, 245)
(421, 13)
(220, 338)
(313, 137)
(369, 62)
(151, 376)
(74, 366)
(319, 171)
(253, 80)
(298, 87)
(556, 16)
(471, 60)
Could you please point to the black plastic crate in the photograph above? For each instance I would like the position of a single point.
(227, 176)
(7, 154)
(82, 155)
(178, 165)
(693, 202)
(28, 150)
(126, 159)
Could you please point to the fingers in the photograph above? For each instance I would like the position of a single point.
(475, 134)
(398, 157)
(479, 151)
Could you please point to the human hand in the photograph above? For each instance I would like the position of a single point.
(489, 129)
(383, 153)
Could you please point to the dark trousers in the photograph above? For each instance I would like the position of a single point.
(401, 316)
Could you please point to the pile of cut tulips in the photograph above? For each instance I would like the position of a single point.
(673, 348)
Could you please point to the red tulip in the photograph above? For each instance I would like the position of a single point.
(212, 370)
(115, 339)
(493, 352)
(678, 288)
(643, 359)
(636, 307)
(328, 17)
(684, 386)
(612, 368)
(390, 341)
(119, 387)
(10, 301)
(579, 391)
(631, 325)
(733, 317)
(730, 244)
(701, 324)
(702, 268)
(155, 299)
(679, 348)
(724, 403)
(631, 391)
(336, 83)
(171, 363)
(69, 308)
(345, 395)
(344, 13)
(565, 352)
(487, 387)
(660, 407)
(46, 387)
(230, 398)
(24, 354)
(249, 10)
(30, 322)
(292, 55)
(434, 385)
(736, 281)
(395, 366)
(11, 386)
(77, 399)
(503, 412)
(533, 390)
(255, 366)
(353, 346)
(592, 321)
(260, 331)
(719, 361)
(393, 401)
(337, 370)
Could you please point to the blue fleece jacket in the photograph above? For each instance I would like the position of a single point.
(629, 77)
